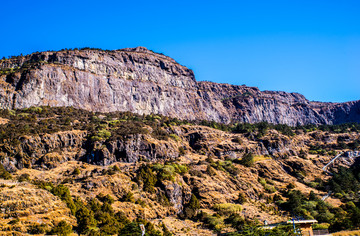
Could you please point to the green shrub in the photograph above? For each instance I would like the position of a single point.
(166, 231)
(169, 170)
(140, 202)
(129, 197)
(210, 171)
(241, 198)
(37, 229)
(228, 208)
(262, 181)
(175, 137)
(105, 198)
(181, 151)
(247, 160)
(24, 177)
(131, 229)
(162, 199)
(85, 219)
(101, 134)
(108, 224)
(160, 134)
(166, 172)
(226, 166)
(270, 189)
(76, 171)
(121, 218)
(290, 186)
(236, 221)
(146, 177)
(237, 140)
(61, 229)
(214, 222)
(192, 207)
(4, 174)
(64, 194)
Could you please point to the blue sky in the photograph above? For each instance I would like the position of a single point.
(310, 47)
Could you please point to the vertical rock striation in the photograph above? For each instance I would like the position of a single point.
(141, 81)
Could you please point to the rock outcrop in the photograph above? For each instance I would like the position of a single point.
(141, 81)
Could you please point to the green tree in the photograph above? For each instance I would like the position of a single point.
(192, 207)
(85, 219)
(62, 229)
(147, 178)
(4, 174)
(247, 160)
(131, 229)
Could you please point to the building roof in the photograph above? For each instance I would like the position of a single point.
(302, 221)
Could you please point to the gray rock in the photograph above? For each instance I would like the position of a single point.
(141, 81)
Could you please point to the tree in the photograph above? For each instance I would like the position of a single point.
(247, 160)
(4, 174)
(192, 207)
(132, 229)
(85, 219)
(62, 229)
(147, 177)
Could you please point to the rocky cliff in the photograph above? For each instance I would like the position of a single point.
(141, 81)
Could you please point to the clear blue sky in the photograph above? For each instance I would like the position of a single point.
(306, 46)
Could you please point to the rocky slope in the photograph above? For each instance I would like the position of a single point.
(144, 82)
(152, 166)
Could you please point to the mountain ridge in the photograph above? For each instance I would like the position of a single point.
(142, 81)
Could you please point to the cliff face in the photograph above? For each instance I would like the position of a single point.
(143, 82)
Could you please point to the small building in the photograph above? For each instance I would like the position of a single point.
(304, 225)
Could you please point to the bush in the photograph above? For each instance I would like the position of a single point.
(109, 225)
(85, 219)
(146, 177)
(105, 198)
(160, 134)
(175, 137)
(102, 134)
(64, 194)
(236, 221)
(169, 170)
(192, 207)
(247, 160)
(130, 229)
(129, 197)
(181, 151)
(214, 222)
(228, 208)
(227, 166)
(162, 199)
(241, 198)
(237, 140)
(166, 231)
(37, 229)
(24, 177)
(210, 171)
(140, 202)
(290, 186)
(4, 174)
(76, 171)
(62, 229)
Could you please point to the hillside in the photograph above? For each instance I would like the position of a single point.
(143, 82)
(114, 171)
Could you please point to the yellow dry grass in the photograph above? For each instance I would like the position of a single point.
(3, 121)
(347, 233)
(261, 158)
(31, 206)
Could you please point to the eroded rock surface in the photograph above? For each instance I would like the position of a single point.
(141, 81)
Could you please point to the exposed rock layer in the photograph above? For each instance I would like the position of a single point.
(141, 81)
